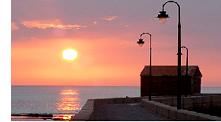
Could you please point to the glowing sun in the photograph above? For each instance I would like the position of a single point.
(69, 54)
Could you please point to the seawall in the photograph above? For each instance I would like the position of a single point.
(161, 105)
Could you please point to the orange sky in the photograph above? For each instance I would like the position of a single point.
(106, 42)
(42, 63)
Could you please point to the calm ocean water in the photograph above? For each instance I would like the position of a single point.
(62, 99)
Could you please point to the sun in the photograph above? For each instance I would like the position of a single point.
(69, 54)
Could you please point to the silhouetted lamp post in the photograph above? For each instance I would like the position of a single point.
(187, 55)
(162, 16)
(141, 42)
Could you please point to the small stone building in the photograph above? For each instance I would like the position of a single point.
(164, 80)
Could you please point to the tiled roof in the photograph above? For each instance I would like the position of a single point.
(170, 71)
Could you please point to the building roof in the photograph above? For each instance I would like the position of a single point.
(170, 71)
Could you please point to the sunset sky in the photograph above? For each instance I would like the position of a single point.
(104, 33)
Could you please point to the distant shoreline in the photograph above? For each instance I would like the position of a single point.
(43, 116)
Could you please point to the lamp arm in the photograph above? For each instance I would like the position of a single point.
(147, 34)
(144, 34)
(177, 6)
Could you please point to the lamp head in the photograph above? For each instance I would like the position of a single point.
(140, 42)
(162, 16)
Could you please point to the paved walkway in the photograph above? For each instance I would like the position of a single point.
(124, 112)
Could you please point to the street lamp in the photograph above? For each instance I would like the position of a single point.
(141, 42)
(163, 15)
(187, 55)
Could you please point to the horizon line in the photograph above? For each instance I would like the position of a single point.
(84, 85)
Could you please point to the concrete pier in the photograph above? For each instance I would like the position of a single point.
(123, 112)
(140, 108)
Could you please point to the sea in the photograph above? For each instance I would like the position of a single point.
(69, 99)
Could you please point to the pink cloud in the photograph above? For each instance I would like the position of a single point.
(14, 27)
(109, 18)
(51, 24)
(94, 22)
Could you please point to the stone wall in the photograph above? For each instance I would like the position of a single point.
(172, 113)
(191, 102)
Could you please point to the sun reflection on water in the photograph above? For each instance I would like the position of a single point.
(68, 101)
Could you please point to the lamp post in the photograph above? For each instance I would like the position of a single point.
(187, 55)
(163, 15)
(141, 42)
